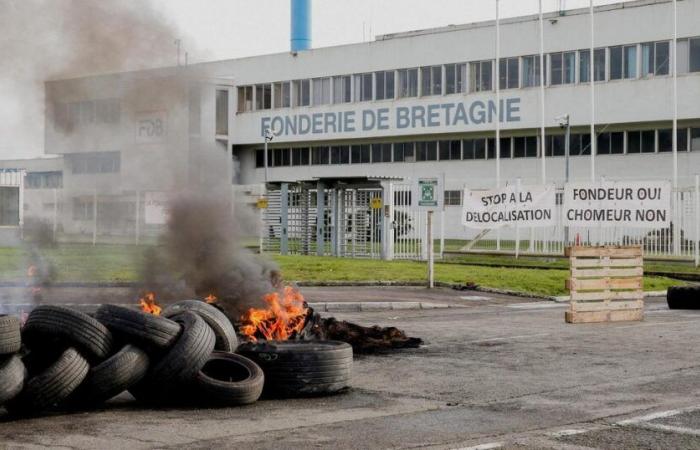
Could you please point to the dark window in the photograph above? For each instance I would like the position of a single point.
(9, 206)
(450, 150)
(104, 162)
(259, 158)
(505, 147)
(384, 84)
(381, 153)
(360, 154)
(455, 78)
(694, 57)
(43, 180)
(641, 141)
(453, 198)
(221, 112)
(402, 198)
(525, 147)
(403, 151)
(666, 140)
(556, 145)
(468, 149)
(682, 139)
(300, 156)
(340, 154)
(491, 143)
(426, 151)
(509, 73)
(616, 63)
(695, 139)
(580, 144)
(319, 155)
(479, 148)
(280, 157)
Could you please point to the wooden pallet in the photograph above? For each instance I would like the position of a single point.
(606, 284)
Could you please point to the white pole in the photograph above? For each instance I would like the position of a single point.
(55, 213)
(431, 259)
(542, 133)
(517, 227)
(94, 217)
(138, 217)
(592, 80)
(498, 97)
(697, 220)
(675, 94)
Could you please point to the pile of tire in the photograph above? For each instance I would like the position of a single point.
(683, 297)
(72, 360)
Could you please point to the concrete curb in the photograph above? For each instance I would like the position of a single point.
(378, 306)
(566, 298)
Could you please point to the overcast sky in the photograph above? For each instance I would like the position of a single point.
(43, 35)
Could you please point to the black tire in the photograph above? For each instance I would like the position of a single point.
(228, 379)
(52, 385)
(12, 375)
(10, 337)
(151, 333)
(70, 328)
(683, 297)
(302, 368)
(112, 377)
(226, 339)
(181, 363)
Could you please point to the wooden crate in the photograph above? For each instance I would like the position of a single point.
(606, 284)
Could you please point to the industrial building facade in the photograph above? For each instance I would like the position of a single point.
(423, 103)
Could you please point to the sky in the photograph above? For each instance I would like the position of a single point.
(57, 38)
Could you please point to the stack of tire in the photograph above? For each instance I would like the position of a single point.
(71, 359)
(683, 297)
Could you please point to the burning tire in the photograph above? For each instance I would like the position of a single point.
(302, 368)
(50, 385)
(12, 375)
(683, 297)
(147, 331)
(112, 377)
(226, 340)
(228, 379)
(70, 328)
(10, 337)
(181, 363)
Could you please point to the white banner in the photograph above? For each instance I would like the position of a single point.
(528, 206)
(618, 203)
(156, 208)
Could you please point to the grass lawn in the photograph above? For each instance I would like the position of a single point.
(104, 263)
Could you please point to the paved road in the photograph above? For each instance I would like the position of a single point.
(500, 372)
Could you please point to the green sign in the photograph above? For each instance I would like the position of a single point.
(428, 192)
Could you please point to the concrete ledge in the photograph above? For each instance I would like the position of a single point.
(378, 306)
(566, 298)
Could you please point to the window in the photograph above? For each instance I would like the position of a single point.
(695, 139)
(474, 149)
(363, 87)
(221, 112)
(384, 85)
(450, 150)
(630, 61)
(263, 96)
(360, 154)
(282, 95)
(431, 80)
(641, 141)
(43, 180)
(408, 83)
(682, 139)
(694, 55)
(259, 158)
(509, 73)
(9, 206)
(245, 98)
(319, 155)
(105, 162)
(655, 58)
(585, 65)
(455, 78)
(556, 145)
(300, 156)
(580, 145)
(280, 157)
(563, 68)
(301, 92)
(505, 148)
(453, 198)
(531, 71)
(480, 76)
(666, 140)
(426, 151)
(322, 91)
(83, 208)
(610, 143)
(340, 154)
(402, 198)
(525, 147)
(342, 89)
(403, 151)
(623, 62)
(381, 153)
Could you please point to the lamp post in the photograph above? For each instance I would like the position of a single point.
(564, 122)
(268, 137)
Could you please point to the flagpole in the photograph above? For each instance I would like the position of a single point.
(675, 93)
(498, 98)
(543, 142)
(594, 146)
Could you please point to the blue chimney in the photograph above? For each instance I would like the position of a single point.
(301, 25)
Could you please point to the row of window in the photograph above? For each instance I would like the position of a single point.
(68, 116)
(610, 63)
(43, 180)
(608, 143)
(101, 162)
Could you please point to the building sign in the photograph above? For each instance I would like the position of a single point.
(376, 203)
(156, 208)
(529, 206)
(428, 193)
(613, 203)
(446, 115)
(262, 203)
(151, 127)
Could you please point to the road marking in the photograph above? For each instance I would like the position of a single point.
(657, 415)
(569, 432)
(488, 446)
(669, 428)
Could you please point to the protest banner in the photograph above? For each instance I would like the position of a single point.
(528, 206)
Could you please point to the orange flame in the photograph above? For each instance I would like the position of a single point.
(148, 304)
(211, 298)
(284, 316)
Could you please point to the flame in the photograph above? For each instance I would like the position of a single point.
(284, 316)
(148, 304)
(31, 271)
(211, 298)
